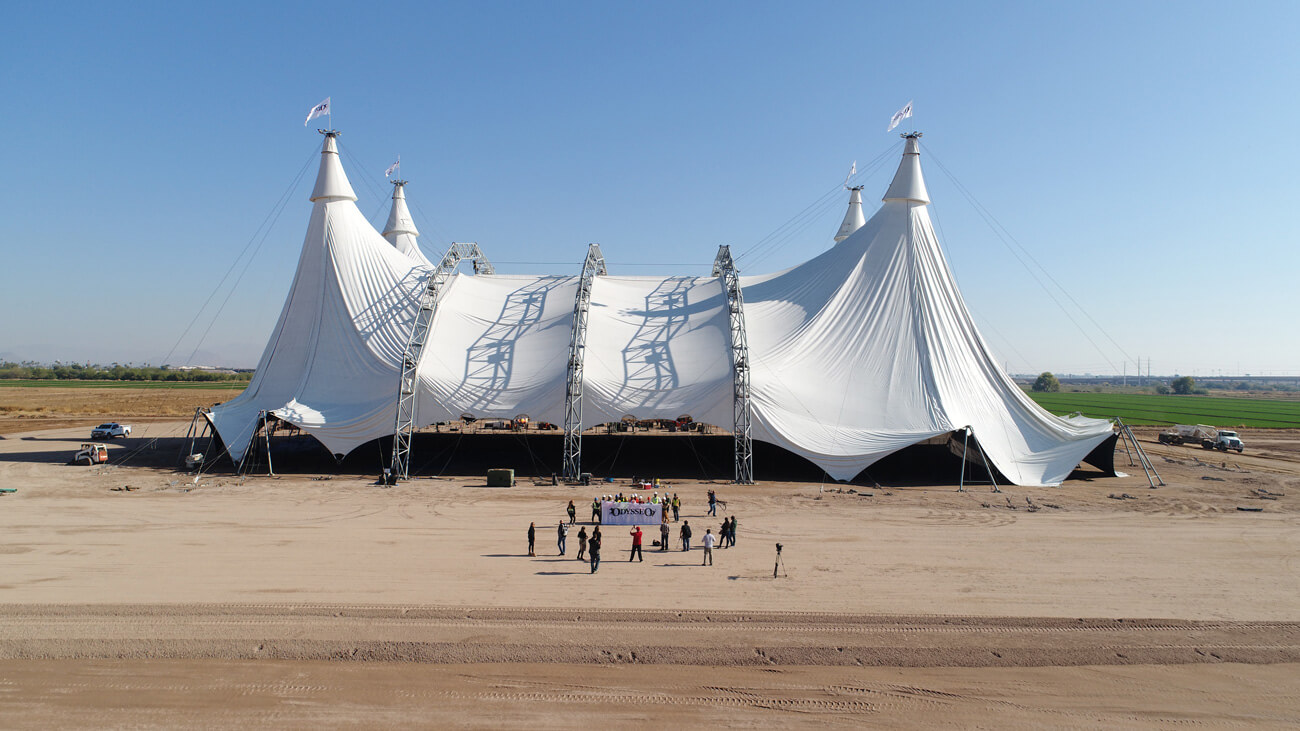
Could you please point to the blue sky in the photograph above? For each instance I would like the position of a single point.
(1143, 153)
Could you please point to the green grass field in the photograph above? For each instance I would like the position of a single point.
(203, 385)
(1139, 409)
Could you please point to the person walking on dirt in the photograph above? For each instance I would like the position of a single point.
(573, 513)
(563, 535)
(582, 541)
(685, 533)
(593, 545)
(731, 532)
(713, 503)
(677, 506)
(709, 540)
(532, 538)
(595, 510)
(636, 544)
(663, 536)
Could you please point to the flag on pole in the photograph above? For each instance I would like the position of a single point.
(852, 171)
(899, 116)
(320, 110)
(392, 168)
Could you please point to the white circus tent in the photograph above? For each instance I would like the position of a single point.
(854, 354)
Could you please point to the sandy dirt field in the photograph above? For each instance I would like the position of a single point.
(134, 595)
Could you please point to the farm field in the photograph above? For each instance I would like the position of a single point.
(25, 408)
(188, 385)
(1160, 410)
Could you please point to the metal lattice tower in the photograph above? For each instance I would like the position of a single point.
(593, 266)
(725, 268)
(406, 392)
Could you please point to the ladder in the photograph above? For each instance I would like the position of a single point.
(196, 432)
(407, 389)
(592, 266)
(1132, 447)
(724, 267)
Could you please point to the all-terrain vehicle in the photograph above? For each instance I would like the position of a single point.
(91, 454)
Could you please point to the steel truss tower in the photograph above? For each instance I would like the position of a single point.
(592, 267)
(406, 392)
(725, 268)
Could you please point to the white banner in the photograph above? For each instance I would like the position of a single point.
(899, 116)
(631, 513)
(320, 110)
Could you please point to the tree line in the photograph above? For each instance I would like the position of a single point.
(29, 371)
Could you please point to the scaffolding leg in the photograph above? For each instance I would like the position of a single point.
(266, 433)
(987, 467)
(1131, 442)
(965, 439)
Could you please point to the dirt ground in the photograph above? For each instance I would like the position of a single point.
(134, 595)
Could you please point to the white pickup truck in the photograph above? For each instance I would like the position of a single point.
(110, 430)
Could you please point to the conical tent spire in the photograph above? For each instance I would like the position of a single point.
(331, 182)
(400, 230)
(908, 183)
(853, 218)
(399, 218)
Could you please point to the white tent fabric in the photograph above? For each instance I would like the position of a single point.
(855, 354)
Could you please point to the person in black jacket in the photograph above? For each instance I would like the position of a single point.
(532, 538)
(593, 545)
(685, 533)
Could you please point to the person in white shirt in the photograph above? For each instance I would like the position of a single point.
(709, 540)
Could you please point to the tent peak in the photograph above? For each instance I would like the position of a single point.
(909, 184)
(331, 182)
(853, 218)
(399, 216)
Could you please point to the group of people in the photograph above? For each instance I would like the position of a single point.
(590, 544)
(674, 503)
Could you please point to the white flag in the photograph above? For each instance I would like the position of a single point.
(320, 110)
(852, 171)
(899, 116)
(393, 167)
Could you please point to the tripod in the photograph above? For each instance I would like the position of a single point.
(780, 563)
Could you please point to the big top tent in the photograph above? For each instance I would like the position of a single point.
(852, 355)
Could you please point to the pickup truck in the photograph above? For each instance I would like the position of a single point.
(110, 430)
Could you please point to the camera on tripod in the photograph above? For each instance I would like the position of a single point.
(778, 548)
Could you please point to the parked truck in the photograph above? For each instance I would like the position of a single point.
(1206, 436)
(110, 430)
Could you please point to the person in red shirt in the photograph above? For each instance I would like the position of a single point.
(636, 544)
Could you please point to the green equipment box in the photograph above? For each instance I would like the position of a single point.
(501, 478)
